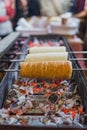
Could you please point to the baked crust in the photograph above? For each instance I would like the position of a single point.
(46, 70)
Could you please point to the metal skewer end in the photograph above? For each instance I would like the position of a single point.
(77, 59)
(20, 53)
(9, 70)
(79, 69)
(77, 52)
(4, 60)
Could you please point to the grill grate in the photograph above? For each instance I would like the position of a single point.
(78, 77)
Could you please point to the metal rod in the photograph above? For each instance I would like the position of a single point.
(77, 52)
(18, 53)
(77, 59)
(79, 69)
(9, 70)
(25, 53)
(21, 53)
(7, 60)
(21, 60)
(71, 52)
(16, 70)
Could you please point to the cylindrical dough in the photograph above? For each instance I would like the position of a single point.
(47, 49)
(46, 70)
(61, 56)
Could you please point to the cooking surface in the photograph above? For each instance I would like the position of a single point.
(58, 102)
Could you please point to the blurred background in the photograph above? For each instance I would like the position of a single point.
(61, 17)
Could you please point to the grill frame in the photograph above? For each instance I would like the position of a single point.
(78, 76)
(9, 77)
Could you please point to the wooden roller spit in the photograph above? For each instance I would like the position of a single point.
(47, 57)
(46, 70)
(47, 49)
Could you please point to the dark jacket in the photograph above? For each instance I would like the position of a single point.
(34, 8)
(77, 6)
(19, 12)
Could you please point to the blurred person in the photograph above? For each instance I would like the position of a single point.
(25, 9)
(82, 13)
(73, 7)
(78, 10)
(7, 12)
(34, 8)
(21, 10)
(54, 7)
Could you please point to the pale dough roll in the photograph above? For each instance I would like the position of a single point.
(46, 70)
(46, 57)
(47, 49)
